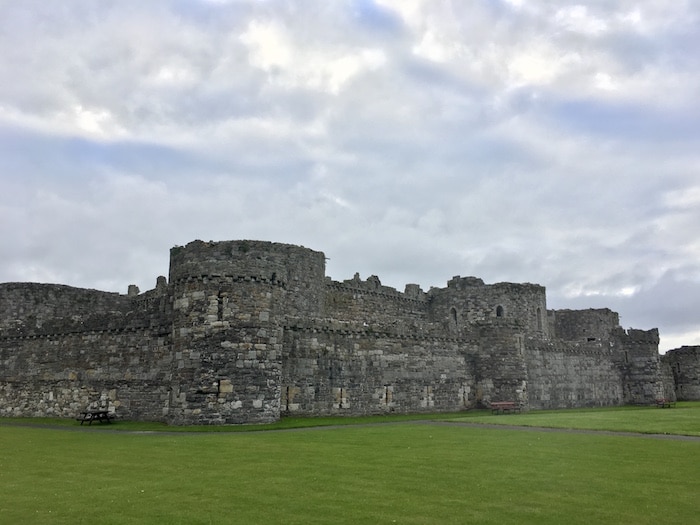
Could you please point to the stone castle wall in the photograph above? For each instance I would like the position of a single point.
(683, 364)
(104, 353)
(566, 375)
(249, 331)
(32, 308)
(354, 370)
(638, 358)
(584, 325)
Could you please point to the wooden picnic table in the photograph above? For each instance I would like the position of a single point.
(90, 415)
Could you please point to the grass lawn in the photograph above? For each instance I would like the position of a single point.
(684, 419)
(407, 473)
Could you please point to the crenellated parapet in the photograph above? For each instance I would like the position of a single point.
(297, 273)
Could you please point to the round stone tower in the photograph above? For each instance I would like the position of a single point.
(230, 300)
(296, 272)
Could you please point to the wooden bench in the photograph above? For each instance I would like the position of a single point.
(503, 407)
(90, 415)
(665, 403)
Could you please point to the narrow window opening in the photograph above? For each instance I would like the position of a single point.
(539, 319)
(499, 311)
(428, 400)
(453, 316)
(220, 306)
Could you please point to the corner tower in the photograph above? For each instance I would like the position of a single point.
(229, 303)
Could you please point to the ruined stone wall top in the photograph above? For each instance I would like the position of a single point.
(35, 306)
(683, 351)
(370, 303)
(467, 300)
(452, 310)
(584, 325)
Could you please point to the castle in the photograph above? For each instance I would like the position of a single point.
(250, 331)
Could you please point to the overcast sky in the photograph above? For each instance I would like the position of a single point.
(513, 140)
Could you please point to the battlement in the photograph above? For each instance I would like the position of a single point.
(259, 260)
(460, 283)
(645, 337)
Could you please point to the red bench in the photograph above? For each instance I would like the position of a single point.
(665, 403)
(503, 407)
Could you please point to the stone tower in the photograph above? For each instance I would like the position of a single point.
(229, 303)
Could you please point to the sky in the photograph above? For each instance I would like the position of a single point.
(549, 142)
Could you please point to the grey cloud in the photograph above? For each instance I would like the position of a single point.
(131, 127)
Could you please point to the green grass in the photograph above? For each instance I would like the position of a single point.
(283, 424)
(684, 419)
(408, 473)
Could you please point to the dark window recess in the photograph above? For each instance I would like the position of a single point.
(220, 307)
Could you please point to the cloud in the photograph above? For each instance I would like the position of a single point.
(515, 141)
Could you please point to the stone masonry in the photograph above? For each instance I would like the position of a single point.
(250, 331)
